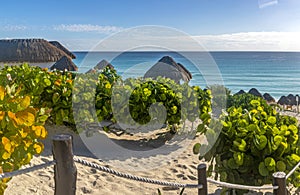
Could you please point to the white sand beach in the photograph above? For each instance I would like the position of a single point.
(93, 182)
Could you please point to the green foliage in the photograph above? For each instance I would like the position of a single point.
(46, 89)
(162, 98)
(21, 125)
(94, 91)
(255, 142)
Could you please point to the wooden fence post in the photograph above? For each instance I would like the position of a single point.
(280, 181)
(65, 172)
(202, 180)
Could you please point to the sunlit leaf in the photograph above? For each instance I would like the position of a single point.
(38, 147)
(2, 114)
(6, 143)
(6, 155)
(2, 92)
(40, 131)
(25, 102)
(25, 118)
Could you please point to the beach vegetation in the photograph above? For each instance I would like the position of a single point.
(255, 142)
(21, 128)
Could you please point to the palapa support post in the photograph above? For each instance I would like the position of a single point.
(280, 181)
(65, 172)
(202, 180)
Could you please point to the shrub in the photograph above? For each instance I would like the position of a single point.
(255, 142)
(21, 125)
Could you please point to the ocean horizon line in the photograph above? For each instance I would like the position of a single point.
(191, 51)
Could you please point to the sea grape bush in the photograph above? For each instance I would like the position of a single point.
(255, 142)
(46, 89)
(21, 125)
(137, 97)
(64, 91)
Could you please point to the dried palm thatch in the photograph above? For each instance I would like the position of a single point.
(65, 63)
(268, 97)
(283, 101)
(100, 66)
(255, 92)
(29, 50)
(240, 92)
(167, 67)
(61, 47)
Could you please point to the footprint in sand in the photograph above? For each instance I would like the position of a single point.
(182, 166)
(174, 170)
(191, 177)
(85, 190)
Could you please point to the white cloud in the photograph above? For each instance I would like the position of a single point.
(87, 28)
(13, 27)
(252, 41)
(266, 3)
(245, 41)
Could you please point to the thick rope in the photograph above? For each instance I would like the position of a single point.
(292, 171)
(26, 170)
(136, 178)
(241, 187)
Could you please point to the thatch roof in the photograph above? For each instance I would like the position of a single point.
(240, 92)
(100, 66)
(65, 63)
(283, 101)
(167, 67)
(29, 50)
(61, 47)
(268, 97)
(255, 92)
(292, 99)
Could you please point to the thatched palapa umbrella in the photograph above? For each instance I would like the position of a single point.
(268, 97)
(65, 63)
(61, 47)
(167, 67)
(240, 92)
(100, 66)
(29, 50)
(292, 100)
(283, 101)
(255, 92)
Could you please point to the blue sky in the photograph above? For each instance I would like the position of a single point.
(217, 24)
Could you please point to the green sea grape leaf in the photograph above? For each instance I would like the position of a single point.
(232, 164)
(270, 163)
(47, 82)
(239, 158)
(253, 128)
(271, 120)
(255, 103)
(262, 169)
(196, 148)
(280, 165)
(275, 130)
(260, 142)
(293, 128)
(277, 140)
(241, 144)
(295, 157)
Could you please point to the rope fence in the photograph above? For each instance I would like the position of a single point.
(136, 178)
(65, 173)
(26, 170)
(241, 187)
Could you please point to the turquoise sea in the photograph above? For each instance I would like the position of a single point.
(277, 73)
